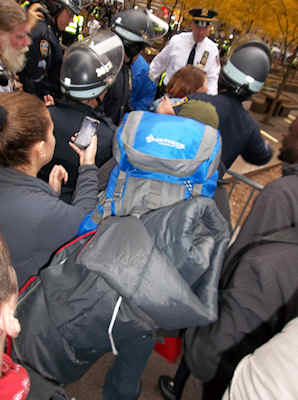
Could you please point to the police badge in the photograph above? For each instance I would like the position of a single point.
(204, 58)
(44, 48)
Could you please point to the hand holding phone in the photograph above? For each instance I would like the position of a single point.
(86, 132)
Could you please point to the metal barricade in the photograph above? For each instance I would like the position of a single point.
(237, 178)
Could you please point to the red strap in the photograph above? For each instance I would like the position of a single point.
(76, 239)
(28, 283)
(8, 345)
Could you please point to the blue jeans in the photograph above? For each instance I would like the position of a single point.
(123, 380)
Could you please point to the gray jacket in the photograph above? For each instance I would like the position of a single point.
(35, 222)
(162, 269)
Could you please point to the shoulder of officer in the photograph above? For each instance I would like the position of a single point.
(41, 29)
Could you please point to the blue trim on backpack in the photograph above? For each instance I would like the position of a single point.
(164, 137)
(87, 223)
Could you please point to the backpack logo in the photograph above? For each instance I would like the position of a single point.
(165, 142)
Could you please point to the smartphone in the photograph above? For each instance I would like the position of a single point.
(87, 131)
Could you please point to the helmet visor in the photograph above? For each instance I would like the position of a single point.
(74, 5)
(92, 64)
(139, 26)
(157, 27)
(109, 52)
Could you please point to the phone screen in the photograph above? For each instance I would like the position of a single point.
(87, 130)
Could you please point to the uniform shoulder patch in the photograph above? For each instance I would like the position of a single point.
(45, 48)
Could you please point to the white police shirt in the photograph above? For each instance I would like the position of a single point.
(175, 55)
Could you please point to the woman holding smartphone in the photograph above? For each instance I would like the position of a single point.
(34, 221)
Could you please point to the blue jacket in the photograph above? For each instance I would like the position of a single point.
(143, 89)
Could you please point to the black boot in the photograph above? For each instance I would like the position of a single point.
(172, 388)
(167, 387)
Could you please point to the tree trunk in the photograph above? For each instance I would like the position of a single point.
(280, 89)
(172, 11)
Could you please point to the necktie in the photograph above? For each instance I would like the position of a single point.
(192, 54)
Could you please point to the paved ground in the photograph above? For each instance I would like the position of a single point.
(89, 387)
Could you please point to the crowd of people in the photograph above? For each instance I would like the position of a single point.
(158, 257)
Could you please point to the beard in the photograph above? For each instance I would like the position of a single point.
(13, 59)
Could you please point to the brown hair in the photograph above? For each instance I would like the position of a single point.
(185, 81)
(289, 147)
(8, 281)
(24, 121)
(11, 14)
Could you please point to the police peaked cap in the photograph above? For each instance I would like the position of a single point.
(203, 14)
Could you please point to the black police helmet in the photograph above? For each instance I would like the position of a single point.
(89, 67)
(55, 6)
(247, 68)
(138, 26)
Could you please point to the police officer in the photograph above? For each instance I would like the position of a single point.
(137, 29)
(41, 73)
(73, 31)
(190, 48)
(89, 67)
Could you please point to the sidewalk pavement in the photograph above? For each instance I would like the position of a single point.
(89, 387)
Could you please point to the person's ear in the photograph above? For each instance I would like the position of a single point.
(8, 323)
(39, 148)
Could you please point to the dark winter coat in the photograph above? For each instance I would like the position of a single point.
(258, 293)
(117, 100)
(240, 133)
(164, 266)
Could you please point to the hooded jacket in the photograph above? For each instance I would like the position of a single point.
(258, 286)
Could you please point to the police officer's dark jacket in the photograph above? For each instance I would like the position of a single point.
(67, 118)
(240, 133)
(42, 70)
(116, 101)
